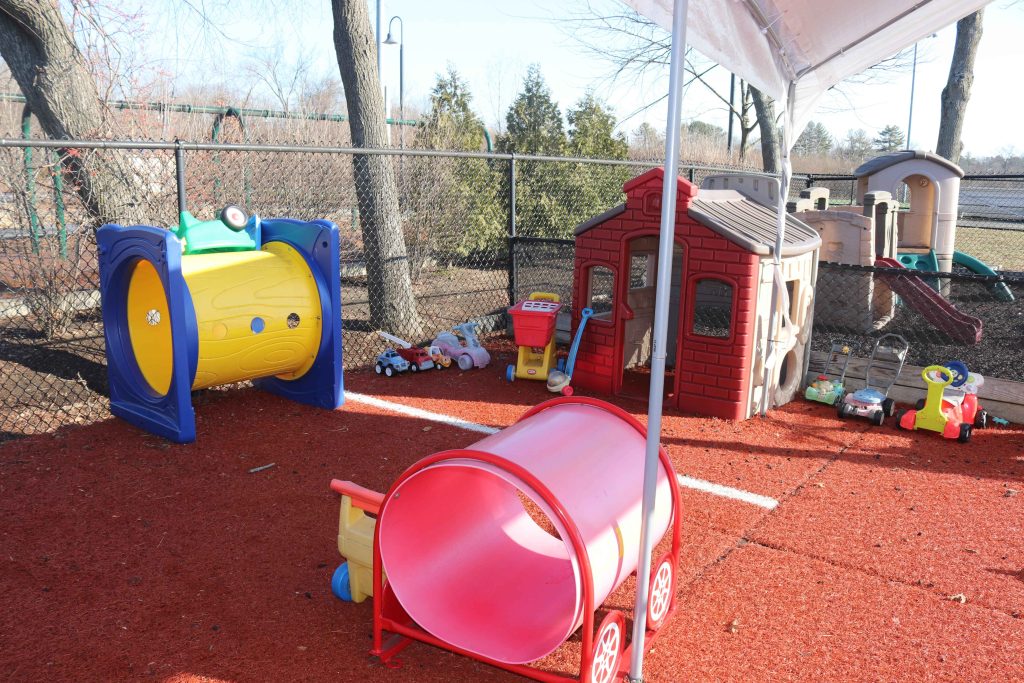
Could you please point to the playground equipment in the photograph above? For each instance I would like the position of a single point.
(533, 322)
(502, 550)
(559, 378)
(467, 356)
(219, 313)
(1000, 289)
(884, 366)
(918, 240)
(353, 579)
(722, 287)
(825, 390)
(914, 291)
(951, 407)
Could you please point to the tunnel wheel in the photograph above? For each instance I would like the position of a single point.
(608, 648)
(659, 598)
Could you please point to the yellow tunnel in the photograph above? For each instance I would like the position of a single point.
(258, 314)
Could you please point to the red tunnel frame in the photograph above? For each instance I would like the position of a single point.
(388, 614)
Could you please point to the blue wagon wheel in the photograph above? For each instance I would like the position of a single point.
(340, 584)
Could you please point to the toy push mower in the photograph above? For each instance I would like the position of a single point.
(953, 412)
(884, 367)
(824, 390)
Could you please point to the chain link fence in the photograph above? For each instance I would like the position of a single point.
(480, 231)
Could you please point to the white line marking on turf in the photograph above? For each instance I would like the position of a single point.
(727, 492)
(421, 414)
(684, 481)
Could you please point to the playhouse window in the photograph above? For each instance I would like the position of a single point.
(601, 292)
(712, 308)
(639, 271)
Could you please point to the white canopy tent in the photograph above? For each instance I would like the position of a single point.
(792, 51)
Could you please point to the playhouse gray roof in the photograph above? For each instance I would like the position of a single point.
(751, 225)
(885, 161)
(598, 219)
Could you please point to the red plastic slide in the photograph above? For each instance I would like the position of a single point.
(961, 327)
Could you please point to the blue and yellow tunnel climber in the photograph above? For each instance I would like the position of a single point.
(217, 302)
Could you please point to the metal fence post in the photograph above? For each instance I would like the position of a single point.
(35, 231)
(512, 284)
(179, 168)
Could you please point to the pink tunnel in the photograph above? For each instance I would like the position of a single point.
(470, 565)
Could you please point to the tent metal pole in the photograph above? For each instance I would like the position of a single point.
(780, 234)
(663, 291)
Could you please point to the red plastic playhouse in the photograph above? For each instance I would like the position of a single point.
(721, 295)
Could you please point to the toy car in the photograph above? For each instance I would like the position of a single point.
(418, 358)
(466, 357)
(389, 363)
(953, 412)
(883, 369)
(824, 390)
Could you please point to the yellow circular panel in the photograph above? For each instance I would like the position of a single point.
(149, 326)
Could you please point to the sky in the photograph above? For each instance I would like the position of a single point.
(491, 45)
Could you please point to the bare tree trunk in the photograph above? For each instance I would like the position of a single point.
(52, 74)
(392, 306)
(958, 86)
(771, 141)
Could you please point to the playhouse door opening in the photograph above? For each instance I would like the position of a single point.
(638, 332)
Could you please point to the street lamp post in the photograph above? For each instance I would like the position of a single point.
(401, 74)
(913, 78)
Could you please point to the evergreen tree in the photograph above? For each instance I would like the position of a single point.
(451, 123)
(454, 203)
(647, 142)
(533, 124)
(701, 129)
(814, 141)
(857, 146)
(890, 139)
(592, 131)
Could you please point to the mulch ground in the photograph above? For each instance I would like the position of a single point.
(891, 556)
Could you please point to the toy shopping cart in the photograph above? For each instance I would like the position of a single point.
(533, 321)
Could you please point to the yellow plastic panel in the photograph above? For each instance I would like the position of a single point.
(149, 326)
(257, 313)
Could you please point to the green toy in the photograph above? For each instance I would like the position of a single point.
(824, 390)
(232, 230)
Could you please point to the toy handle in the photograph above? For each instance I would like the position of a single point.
(570, 364)
(940, 370)
(362, 497)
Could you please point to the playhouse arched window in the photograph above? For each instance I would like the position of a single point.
(601, 291)
(712, 308)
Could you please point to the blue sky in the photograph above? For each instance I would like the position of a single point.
(491, 45)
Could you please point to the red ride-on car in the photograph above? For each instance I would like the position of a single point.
(951, 407)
